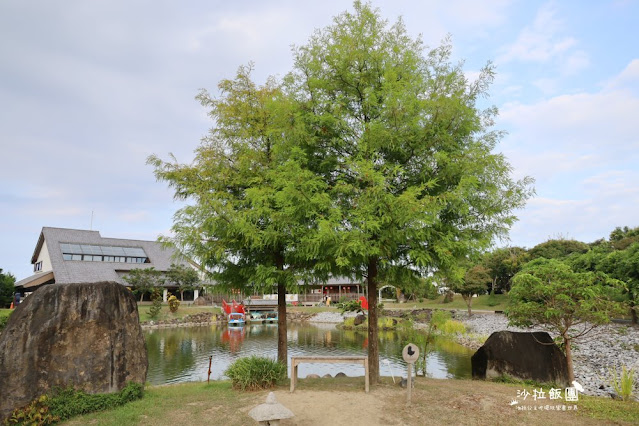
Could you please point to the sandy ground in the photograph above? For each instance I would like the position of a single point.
(457, 402)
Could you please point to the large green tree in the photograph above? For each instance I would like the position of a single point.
(395, 132)
(502, 265)
(254, 209)
(7, 289)
(548, 293)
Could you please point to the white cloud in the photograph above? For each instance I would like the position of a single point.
(544, 42)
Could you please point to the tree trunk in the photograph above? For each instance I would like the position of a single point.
(282, 354)
(141, 296)
(571, 374)
(181, 295)
(373, 344)
(469, 302)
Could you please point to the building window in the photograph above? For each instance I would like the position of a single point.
(93, 253)
(37, 267)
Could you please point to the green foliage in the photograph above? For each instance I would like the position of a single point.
(475, 281)
(548, 293)
(623, 382)
(67, 403)
(174, 304)
(144, 280)
(3, 322)
(350, 306)
(184, 277)
(156, 305)
(492, 300)
(503, 264)
(36, 413)
(452, 327)
(254, 373)
(386, 323)
(557, 249)
(439, 317)
(7, 289)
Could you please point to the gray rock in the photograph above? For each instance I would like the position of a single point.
(312, 376)
(87, 336)
(340, 374)
(404, 383)
(525, 356)
(327, 376)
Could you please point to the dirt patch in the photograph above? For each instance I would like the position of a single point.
(457, 402)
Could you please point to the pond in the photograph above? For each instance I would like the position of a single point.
(182, 354)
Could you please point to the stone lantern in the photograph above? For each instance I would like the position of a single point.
(271, 412)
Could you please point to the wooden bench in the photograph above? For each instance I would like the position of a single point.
(297, 360)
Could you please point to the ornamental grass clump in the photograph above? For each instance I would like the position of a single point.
(255, 373)
(623, 382)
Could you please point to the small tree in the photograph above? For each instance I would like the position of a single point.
(184, 277)
(549, 294)
(156, 306)
(476, 281)
(144, 280)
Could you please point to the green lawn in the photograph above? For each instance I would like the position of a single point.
(480, 303)
(5, 312)
(182, 311)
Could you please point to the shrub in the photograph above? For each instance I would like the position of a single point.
(492, 300)
(439, 317)
(174, 304)
(254, 373)
(349, 322)
(69, 402)
(350, 306)
(66, 403)
(386, 323)
(3, 322)
(156, 307)
(36, 413)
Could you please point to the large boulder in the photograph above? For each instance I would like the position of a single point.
(87, 336)
(524, 356)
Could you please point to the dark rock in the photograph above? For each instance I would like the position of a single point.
(86, 336)
(327, 376)
(524, 356)
(340, 374)
(360, 319)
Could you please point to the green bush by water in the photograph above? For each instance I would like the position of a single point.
(254, 373)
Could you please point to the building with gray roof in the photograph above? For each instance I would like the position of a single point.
(64, 256)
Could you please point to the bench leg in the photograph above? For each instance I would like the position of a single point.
(366, 381)
(293, 376)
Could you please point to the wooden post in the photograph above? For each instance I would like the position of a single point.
(410, 382)
(208, 379)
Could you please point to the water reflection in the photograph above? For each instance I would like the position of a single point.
(182, 354)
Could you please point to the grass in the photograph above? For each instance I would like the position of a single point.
(166, 314)
(5, 312)
(480, 303)
(439, 401)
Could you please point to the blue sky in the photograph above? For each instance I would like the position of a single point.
(90, 89)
